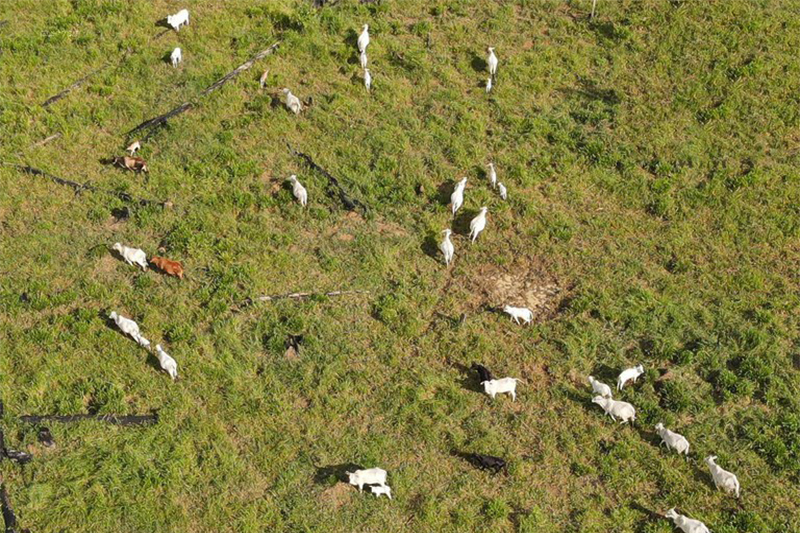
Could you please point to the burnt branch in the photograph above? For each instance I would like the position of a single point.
(118, 420)
(79, 187)
(349, 203)
(186, 106)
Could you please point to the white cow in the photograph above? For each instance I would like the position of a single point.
(169, 364)
(377, 490)
(518, 313)
(447, 248)
(134, 147)
(298, 190)
(686, 524)
(629, 374)
(674, 441)
(363, 59)
(614, 409)
(367, 79)
(492, 175)
(292, 102)
(132, 256)
(363, 39)
(129, 327)
(457, 198)
(600, 388)
(503, 191)
(493, 387)
(369, 476)
(492, 62)
(181, 18)
(477, 224)
(176, 57)
(489, 85)
(723, 479)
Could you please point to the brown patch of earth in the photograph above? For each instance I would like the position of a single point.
(337, 495)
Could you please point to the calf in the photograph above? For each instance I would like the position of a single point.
(129, 327)
(673, 440)
(369, 476)
(181, 18)
(168, 364)
(686, 524)
(613, 408)
(518, 313)
(600, 388)
(176, 57)
(134, 163)
(629, 374)
(377, 490)
(483, 372)
(132, 256)
(723, 479)
(173, 268)
(493, 387)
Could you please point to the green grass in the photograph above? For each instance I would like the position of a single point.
(651, 160)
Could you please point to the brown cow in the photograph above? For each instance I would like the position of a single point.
(136, 164)
(173, 268)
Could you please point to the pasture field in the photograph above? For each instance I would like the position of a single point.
(651, 159)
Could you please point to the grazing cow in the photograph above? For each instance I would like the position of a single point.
(518, 313)
(457, 198)
(173, 268)
(369, 476)
(503, 191)
(377, 490)
(135, 164)
(483, 373)
(493, 387)
(673, 440)
(132, 256)
(489, 85)
(292, 102)
(600, 388)
(169, 364)
(613, 408)
(477, 224)
(487, 462)
(176, 57)
(134, 147)
(129, 327)
(686, 524)
(492, 175)
(363, 39)
(629, 374)
(181, 18)
(363, 59)
(367, 79)
(298, 190)
(492, 62)
(447, 248)
(723, 479)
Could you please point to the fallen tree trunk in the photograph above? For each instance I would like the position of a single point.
(9, 518)
(349, 203)
(65, 92)
(119, 420)
(78, 187)
(186, 106)
(300, 296)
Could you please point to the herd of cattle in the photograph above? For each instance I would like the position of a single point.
(376, 478)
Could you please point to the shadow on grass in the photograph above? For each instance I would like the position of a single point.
(479, 461)
(462, 220)
(479, 65)
(324, 474)
(469, 378)
(430, 247)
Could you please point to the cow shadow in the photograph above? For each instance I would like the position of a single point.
(167, 58)
(324, 474)
(430, 248)
(443, 192)
(479, 64)
(606, 374)
(474, 460)
(462, 220)
(469, 378)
